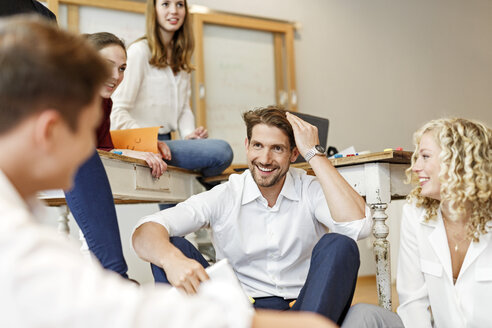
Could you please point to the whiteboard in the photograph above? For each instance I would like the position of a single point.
(125, 25)
(239, 68)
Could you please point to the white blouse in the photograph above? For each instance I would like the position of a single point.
(151, 96)
(425, 278)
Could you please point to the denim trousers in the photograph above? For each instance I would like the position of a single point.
(329, 286)
(208, 156)
(92, 205)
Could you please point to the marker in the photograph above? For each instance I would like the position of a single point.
(338, 155)
(350, 155)
(117, 152)
(399, 148)
(388, 149)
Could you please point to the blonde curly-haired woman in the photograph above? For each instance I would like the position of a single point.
(444, 276)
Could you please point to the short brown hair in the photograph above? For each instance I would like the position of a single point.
(272, 116)
(44, 67)
(102, 40)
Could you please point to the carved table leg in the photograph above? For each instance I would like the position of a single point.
(84, 248)
(63, 227)
(382, 255)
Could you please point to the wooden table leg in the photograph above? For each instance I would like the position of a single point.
(382, 255)
(63, 227)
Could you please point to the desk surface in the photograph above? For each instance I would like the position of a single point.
(391, 156)
(127, 159)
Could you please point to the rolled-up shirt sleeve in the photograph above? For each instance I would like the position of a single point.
(357, 229)
(190, 215)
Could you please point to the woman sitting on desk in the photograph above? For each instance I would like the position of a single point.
(444, 273)
(157, 89)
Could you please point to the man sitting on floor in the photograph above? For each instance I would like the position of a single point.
(270, 223)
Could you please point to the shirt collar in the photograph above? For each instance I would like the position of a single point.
(289, 189)
(252, 192)
(250, 189)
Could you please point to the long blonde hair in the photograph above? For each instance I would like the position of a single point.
(183, 42)
(465, 174)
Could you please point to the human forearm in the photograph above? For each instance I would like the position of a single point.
(344, 202)
(151, 243)
(274, 319)
(121, 119)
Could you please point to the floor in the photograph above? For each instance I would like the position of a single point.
(365, 292)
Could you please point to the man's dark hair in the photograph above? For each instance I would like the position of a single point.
(272, 116)
(43, 67)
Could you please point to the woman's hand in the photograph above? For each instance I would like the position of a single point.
(199, 133)
(154, 161)
(164, 150)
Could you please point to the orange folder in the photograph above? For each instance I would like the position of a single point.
(143, 139)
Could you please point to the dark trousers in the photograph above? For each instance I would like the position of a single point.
(329, 286)
(92, 205)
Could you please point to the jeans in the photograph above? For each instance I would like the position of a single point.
(92, 205)
(208, 156)
(329, 286)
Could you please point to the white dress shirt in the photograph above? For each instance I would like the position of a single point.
(269, 248)
(45, 282)
(425, 277)
(151, 96)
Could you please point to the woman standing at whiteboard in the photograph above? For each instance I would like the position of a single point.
(157, 89)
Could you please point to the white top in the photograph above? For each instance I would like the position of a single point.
(269, 248)
(425, 276)
(151, 96)
(45, 282)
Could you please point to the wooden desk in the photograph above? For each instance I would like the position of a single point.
(379, 177)
(132, 183)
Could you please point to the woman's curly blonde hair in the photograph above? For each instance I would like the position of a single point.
(465, 175)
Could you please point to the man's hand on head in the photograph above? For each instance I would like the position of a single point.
(305, 134)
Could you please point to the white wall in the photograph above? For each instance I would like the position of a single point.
(377, 69)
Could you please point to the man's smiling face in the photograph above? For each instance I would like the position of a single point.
(269, 155)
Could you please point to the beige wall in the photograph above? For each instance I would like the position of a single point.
(379, 69)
